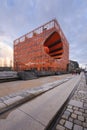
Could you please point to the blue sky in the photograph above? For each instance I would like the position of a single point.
(18, 17)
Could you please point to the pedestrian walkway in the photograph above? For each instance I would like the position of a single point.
(39, 112)
(74, 116)
(8, 88)
(14, 99)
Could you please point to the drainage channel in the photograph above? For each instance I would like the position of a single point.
(52, 124)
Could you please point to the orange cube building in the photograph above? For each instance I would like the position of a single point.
(44, 48)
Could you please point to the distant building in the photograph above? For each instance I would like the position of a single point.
(73, 65)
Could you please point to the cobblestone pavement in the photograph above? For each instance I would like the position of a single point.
(74, 116)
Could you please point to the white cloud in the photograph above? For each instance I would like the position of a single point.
(6, 54)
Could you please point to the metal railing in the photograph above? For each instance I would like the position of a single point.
(53, 23)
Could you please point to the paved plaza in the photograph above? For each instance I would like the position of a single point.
(36, 114)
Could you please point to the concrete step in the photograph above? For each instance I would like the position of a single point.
(6, 76)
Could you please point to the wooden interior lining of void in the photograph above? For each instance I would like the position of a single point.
(61, 48)
(58, 57)
(55, 43)
(56, 46)
(51, 39)
(53, 46)
(56, 54)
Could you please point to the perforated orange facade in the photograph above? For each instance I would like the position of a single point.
(44, 48)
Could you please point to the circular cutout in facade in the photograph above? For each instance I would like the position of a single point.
(54, 46)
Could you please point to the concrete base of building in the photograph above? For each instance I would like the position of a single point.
(32, 74)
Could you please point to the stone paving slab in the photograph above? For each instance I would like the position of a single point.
(13, 100)
(22, 122)
(2, 105)
(76, 103)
